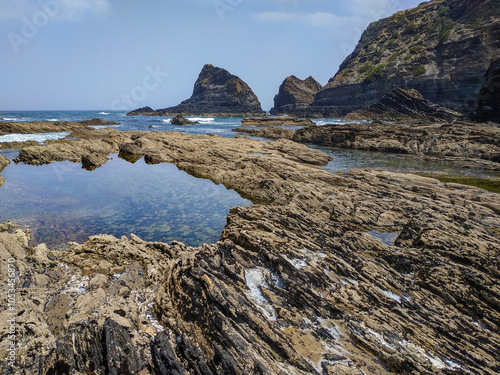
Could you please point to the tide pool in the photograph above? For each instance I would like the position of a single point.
(62, 202)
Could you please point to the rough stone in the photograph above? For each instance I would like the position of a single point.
(216, 91)
(276, 121)
(400, 105)
(180, 120)
(460, 143)
(295, 96)
(442, 48)
(365, 272)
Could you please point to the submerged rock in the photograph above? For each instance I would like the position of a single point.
(180, 120)
(400, 105)
(297, 284)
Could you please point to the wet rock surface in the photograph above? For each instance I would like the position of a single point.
(365, 272)
(461, 143)
(180, 120)
(276, 121)
(49, 126)
(400, 105)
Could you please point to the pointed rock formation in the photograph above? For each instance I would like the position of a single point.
(295, 96)
(216, 92)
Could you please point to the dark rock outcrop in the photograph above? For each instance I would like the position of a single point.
(401, 105)
(181, 120)
(441, 48)
(295, 96)
(365, 272)
(97, 121)
(489, 96)
(144, 111)
(276, 121)
(216, 91)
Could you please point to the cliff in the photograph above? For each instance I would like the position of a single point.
(216, 91)
(442, 48)
(295, 96)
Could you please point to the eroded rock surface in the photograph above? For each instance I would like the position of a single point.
(367, 272)
(461, 143)
(401, 105)
(48, 126)
(216, 91)
(295, 96)
(276, 121)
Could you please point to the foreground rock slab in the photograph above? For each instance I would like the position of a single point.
(366, 272)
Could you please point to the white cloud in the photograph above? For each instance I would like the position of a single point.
(67, 10)
(318, 19)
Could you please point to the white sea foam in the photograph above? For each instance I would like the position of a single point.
(103, 113)
(167, 121)
(53, 119)
(10, 119)
(202, 120)
(39, 137)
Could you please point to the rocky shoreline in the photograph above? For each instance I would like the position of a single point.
(49, 126)
(365, 272)
(460, 143)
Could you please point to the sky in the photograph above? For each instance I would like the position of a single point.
(126, 54)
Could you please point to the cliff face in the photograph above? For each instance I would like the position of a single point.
(442, 49)
(218, 91)
(489, 96)
(295, 96)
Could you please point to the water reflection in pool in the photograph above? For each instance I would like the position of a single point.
(62, 202)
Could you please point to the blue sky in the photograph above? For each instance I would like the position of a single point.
(125, 54)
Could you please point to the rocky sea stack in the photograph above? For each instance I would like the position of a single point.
(216, 92)
(442, 48)
(295, 96)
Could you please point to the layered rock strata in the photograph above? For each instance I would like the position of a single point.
(489, 96)
(442, 48)
(366, 272)
(461, 142)
(48, 126)
(295, 96)
(216, 91)
(401, 105)
(276, 121)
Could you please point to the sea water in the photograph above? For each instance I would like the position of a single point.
(62, 202)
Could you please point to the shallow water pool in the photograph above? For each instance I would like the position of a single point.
(62, 202)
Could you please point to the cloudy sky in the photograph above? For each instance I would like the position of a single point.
(124, 54)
